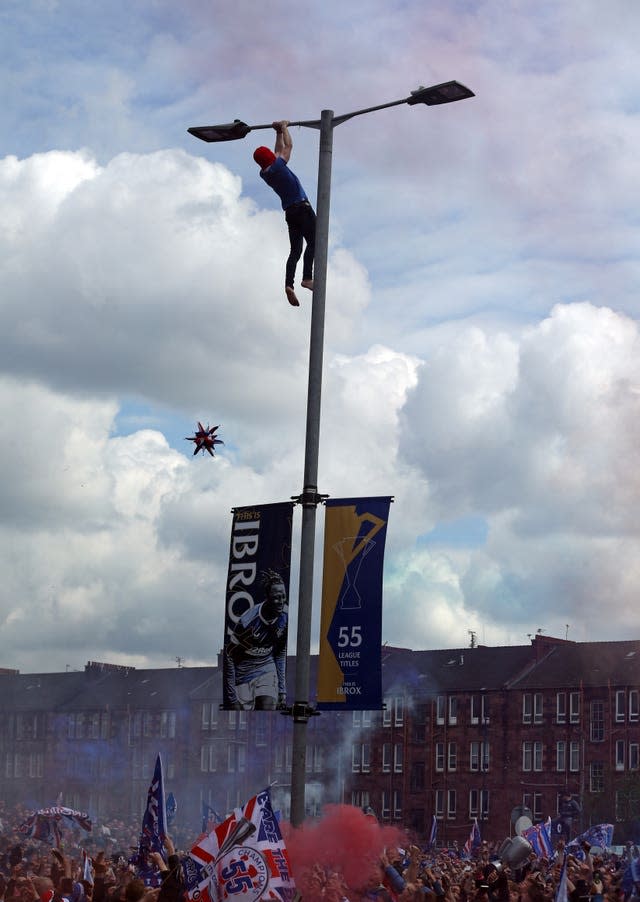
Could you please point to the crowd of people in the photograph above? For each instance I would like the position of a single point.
(32, 871)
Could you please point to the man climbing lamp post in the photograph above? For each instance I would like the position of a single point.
(309, 498)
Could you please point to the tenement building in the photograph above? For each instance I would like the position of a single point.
(482, 733)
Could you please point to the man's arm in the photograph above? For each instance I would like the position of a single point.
(284, 144)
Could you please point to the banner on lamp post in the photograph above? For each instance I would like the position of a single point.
(349, 663)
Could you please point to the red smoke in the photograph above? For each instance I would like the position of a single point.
(338, 855)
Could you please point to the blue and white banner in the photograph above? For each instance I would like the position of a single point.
(257, 609)
(349, 664)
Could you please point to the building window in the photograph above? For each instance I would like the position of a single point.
(538, 704)
(574, 707)
(474, 802)
(597, 722)
(537, 806)
(386, 810)
(478, 756)
(479, 709)
(537, 756)
(452, 756)
(620, 744)
(386, 757)
(439, 803)
(634, 705)
(360, 757)
(386, 713)
(360, 799)
(416, 780)
(451, 804)
(453, 710)
(439, 756)
(397, 758)
(361, 718)
(441, 703)
(527, 707)
(561, 707)
(208, 759)
(634, 753)
(532, 756)
(596, 776)
(574, 756)
(205, 719)
(399, 711)
(397, 804)
(168, 724)
(621, 697)
(561, 755)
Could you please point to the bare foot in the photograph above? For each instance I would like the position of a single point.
(307, 283)
(291, 297)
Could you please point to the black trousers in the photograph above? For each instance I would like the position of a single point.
(301, 222)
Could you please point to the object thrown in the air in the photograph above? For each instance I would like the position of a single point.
(205, 439)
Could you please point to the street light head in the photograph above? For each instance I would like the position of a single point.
(231, 131)
(444, 93)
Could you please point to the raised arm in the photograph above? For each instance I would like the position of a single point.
(284, 144)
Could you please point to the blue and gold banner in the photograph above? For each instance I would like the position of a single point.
(349, 665)
(257, 608)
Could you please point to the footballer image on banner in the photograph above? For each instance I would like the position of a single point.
(257, 609)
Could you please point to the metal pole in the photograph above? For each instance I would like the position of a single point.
(310, 496)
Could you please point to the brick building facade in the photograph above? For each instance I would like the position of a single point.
(486, 733)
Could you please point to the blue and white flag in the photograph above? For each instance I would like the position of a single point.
(562, 890)
(598, 835)
(154, 819)
(87, 870)
(154, 830)
(172, 808)
(433, 835)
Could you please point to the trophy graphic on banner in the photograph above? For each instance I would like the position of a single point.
(348, 549)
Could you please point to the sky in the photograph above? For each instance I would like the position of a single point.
(481, 345)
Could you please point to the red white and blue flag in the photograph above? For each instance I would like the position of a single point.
(539, 837)
(473, 842)
(244, 858)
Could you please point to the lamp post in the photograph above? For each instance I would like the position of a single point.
(447, 92)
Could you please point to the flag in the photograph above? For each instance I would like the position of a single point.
(539, 837)
(154, 829)
(433, 835)
(245, 855)
(349, 659)
(171, 808)
(473, 842)
(87, 870)
(256, 621)
(45, 824)
(210, 818)
(599, 835)
(561, 892)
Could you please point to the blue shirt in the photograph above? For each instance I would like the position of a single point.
(284, 182)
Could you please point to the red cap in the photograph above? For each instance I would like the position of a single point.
(264, 157)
